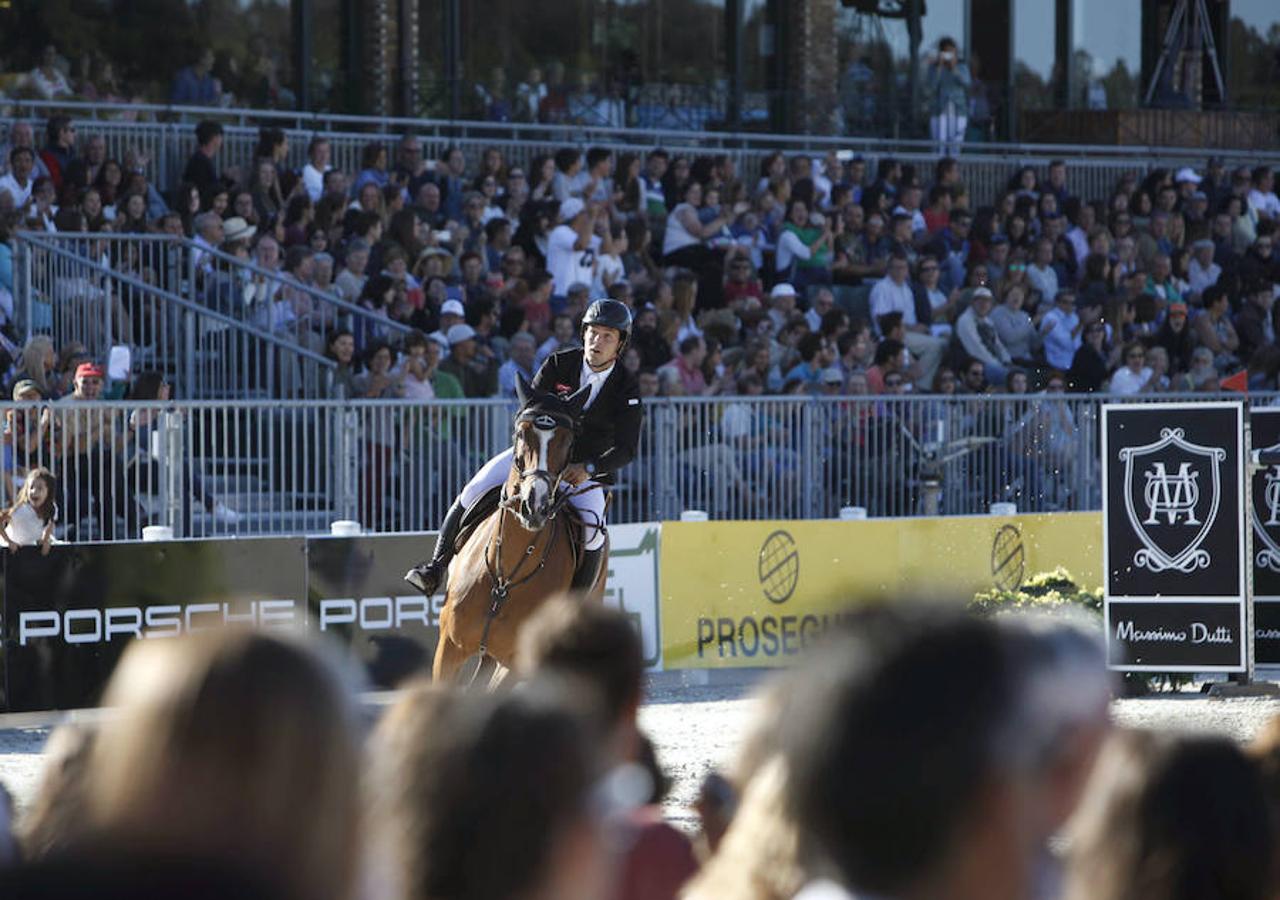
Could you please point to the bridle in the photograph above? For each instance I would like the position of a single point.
(544, 421)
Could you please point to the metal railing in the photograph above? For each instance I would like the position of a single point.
(287, 467)
(987, 167)
(135, 292)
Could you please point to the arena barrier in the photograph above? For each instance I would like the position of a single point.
(68, 616)
(745, 594)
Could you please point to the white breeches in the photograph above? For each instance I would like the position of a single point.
(587, 499)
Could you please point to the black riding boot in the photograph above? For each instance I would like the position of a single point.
(427, 577)
(585, 578)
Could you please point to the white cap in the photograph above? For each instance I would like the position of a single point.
(453, 308)
(782, 289)
(569, 209)
(1186, 173)
(983, 292)
(459, 333)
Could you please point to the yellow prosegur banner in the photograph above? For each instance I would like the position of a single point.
(756, 593)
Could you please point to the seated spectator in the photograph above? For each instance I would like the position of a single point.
(893, 293)
(1214, 330)
(981, 339)
(472, 365)
(685, 244)
(687, 366)
(1015, 327)
(18, 183)
(59, 151)
(1255, 324)
(523, 347)
(1088, 371)
(888, 361)
(1134, 377)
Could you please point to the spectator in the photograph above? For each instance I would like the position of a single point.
(893, 294)
(31, 519)
(1202, 270)
(981, 339)
(217, 742)
(89, 455)
(474, 367)
(200, 170)
(888, 361)
(1060, 330)
(887, 810)
(804, 247)
(194, 85)
(18, 183)
(1155, 818)
(1214, 329)
(47, 80)
(1134, 377)
(1015, 327)
(59, 151)
(572, 247)
(1088, 372)
(684, 243)
(520, 363)
(947, 80)
(1255, 324)
(688, 366)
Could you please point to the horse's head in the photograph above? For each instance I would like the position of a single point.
(545, 428)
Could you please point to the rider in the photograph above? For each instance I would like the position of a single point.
(610, 431)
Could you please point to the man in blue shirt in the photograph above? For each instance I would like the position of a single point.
(195, 85)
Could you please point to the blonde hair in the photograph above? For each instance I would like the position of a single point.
(759, 857)
(236, 743)
(33, 356)
(56, 815)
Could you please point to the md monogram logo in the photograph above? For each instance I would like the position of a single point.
(1172, 490)
(1266, 514)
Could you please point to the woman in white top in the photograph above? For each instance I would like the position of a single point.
(1133, 377)
(684, 244)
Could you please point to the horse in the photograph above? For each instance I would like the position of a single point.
(524, 552)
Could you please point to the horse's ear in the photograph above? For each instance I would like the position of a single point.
(578, 400)
(524, 390)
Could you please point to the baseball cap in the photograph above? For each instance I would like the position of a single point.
(453, 308)
(982, 292)
(1203, 244)
(1178, 309)
(569, 209)
(1186, 173)
(90, 370)
(26, 384)
(782, 290)
(459, 333)
(831, 376)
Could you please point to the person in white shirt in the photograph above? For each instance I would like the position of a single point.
(978, 335)
(572, 248)
(894, 294)
(1041, 273)
(1202, 271)
(18, 182)
(1262, 196)
(317, 164)
(1060, 327)
(1133, 377)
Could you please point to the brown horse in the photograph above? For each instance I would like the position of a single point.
(525, 551)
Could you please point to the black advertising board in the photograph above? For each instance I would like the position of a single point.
(1173, 536)
(68, 616)
(1264, 424)
(356, 594)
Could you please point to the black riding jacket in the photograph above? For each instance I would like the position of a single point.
(611, 426)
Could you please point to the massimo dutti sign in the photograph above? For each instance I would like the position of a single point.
(1173, 536)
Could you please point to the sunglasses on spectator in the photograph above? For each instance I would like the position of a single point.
(1017, 267)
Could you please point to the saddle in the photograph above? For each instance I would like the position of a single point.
(478, 512)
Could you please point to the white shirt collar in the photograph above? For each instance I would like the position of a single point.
(595, 379)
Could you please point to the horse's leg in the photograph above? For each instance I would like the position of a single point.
(449, 659)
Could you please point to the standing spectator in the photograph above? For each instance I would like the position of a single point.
(31, 519)
(318, 154)
(59, 150)
(46, 80)
(572, 247)
(195, 85)
(200, 170)
(88, 451)
(948, 81)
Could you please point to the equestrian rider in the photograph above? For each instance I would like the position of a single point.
(610, 431)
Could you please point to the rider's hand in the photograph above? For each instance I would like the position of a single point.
(575, 474)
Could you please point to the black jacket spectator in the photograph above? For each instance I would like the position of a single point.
(611, 426)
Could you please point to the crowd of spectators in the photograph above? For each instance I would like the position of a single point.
(237, 763)
(851, 281)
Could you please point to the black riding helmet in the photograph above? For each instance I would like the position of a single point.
(611, 314)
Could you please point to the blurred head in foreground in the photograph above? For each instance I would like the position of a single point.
(1173, 817)
(232, 745)
(909, 772)
(490, 797)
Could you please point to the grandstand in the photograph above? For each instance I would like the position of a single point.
(822, 321)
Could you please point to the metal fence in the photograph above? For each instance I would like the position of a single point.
(987, 167)
(218, 325)
(287, 467)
